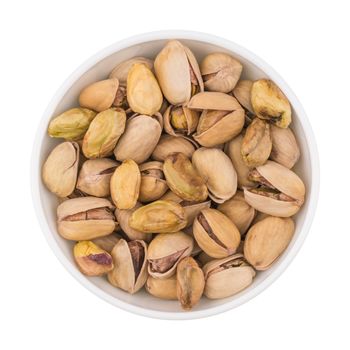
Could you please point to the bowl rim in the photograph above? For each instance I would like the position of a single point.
(185, 35)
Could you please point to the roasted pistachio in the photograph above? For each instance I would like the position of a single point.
(180, 120)
(60, 169)
(165, 251)
(158, 217)
(242, 92)
(215, 233)
(85, 218)
(190, 283)
(107, 243)
(125, 185)
(130, 260)
(91, 259)
(226, 277)
(162, 288)
(95, 175)
(183, 179)
(270, 103)
(220, 72)
(103, 133)
(267, 240)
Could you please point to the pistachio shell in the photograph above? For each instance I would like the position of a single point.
(60, 169)
(125, 185)
(139, 139)
(180, 120)
(216, 168)
(107, 243)
(216, 101)
(71, 124)
(242, 92)
(143, 92)
(100, 95)
(162, 288)
(267, 240)
(103, 133)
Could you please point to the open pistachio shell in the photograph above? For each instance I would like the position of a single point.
(267, 240)
(242, 92)
(107, 243)
(216, 101)
(162, 288)
(180, 120)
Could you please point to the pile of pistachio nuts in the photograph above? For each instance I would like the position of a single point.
(176, 176)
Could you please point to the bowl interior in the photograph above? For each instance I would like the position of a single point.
(48, 203)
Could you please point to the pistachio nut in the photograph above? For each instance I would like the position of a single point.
(143, 92)
(220, 72)
(169, 144)
(242, 92)
(95, 176)
(107, 243)
(179, 120)
(285, 149)
(216, 168)
(270, 103)
(85, 218)
(256, 144)
(190, 282)
(178, 73)
(215, 233)
(123, 216)
(183, 179)
(158, 217)
(281, 192)
(227, 277)
(91, 259)
(162, 288)
(139, 139)
(165, 251)
(125, 185)
(121, 70)
(103, 133)
(233, 150)
(100, 95)
(60, 169)
(72, 124)
(238, 211)
(153, 184)
(267, 240)
(130, 261)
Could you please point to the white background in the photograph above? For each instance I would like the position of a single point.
(42, 306)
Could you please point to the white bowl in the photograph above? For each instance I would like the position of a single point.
(98, 67)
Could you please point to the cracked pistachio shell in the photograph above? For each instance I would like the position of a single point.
(169, 144)
(183, 179)
(91, 259)
(143, 92)
(220, 72)
(125, 185)
(177, 72)
(190, 283)
(238, 211)
(286, 183)
(227, 277)
(85, 218)
(216, 168)
(95, 176)
(180, 120)
(100, 95)
(107, 243)
(162, 288)
(233, 150)
(215, 101)
(256, 144)
(72, 124)
(285, 149)
(153, 184)
(60, 169)
(140, 138)
(165, 251)
(121, 71)
(103, 133)
(158, 217)
(242, 92)
(215, 233)
(270, 103)
(267, 240)
(123, 216)
(130, 260)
